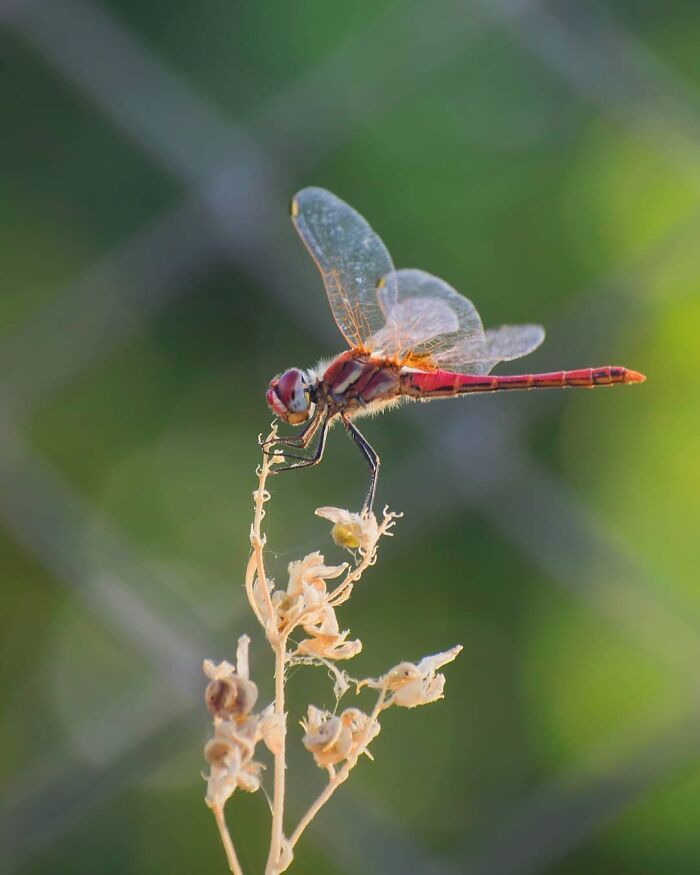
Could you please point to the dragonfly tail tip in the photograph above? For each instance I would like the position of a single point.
(634, 377)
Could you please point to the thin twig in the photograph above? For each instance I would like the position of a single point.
(226, 841)
(277, 832)
(278, 643)
(256, 565)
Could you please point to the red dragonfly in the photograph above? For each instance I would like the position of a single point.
(411, 336)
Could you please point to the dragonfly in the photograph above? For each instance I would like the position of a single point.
(411, 337)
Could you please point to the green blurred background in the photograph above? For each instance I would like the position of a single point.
(541, 157)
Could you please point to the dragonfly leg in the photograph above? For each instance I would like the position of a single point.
(317, 456)
(298, 440)
(372, 460)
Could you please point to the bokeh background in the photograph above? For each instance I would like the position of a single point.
(544, 159)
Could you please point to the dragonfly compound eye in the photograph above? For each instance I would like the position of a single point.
(289, 396)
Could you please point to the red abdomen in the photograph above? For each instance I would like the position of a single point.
(437, 384)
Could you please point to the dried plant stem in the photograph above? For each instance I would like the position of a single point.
(336, 740)
(256, 566)
(277, 834)
(226, 841)
(278, 643)
(341, 775)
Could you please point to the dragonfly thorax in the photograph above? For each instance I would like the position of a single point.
(290, 396)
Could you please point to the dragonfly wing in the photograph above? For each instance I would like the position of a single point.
(433, 326)
(428, 321)
(499, 345)
(512, 341)
(352, 259)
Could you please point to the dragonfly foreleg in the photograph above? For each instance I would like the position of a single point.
(317, 456)
(298, 440)
(372, 460)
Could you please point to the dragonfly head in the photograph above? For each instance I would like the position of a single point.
(289, 397)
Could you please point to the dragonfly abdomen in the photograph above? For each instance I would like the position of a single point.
(441, 384)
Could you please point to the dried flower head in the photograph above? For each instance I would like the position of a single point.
(306, 593)
(311, 572)
(333, 738)
(230, 694)
(230, 756)
(412, 684)
(352, 531)
(224, 669)
(330, 743)
(231, 697)
(362, 727)
(326, 638)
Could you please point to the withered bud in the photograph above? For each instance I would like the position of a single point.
(231, 697)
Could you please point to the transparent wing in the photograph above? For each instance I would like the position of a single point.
(433, 326)
(428, 320)
(509, 342)
(499, 345)
(352, 259)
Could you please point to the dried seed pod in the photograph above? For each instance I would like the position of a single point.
(402, 674)
(231, 697)
(330, 742)
(217, 752)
